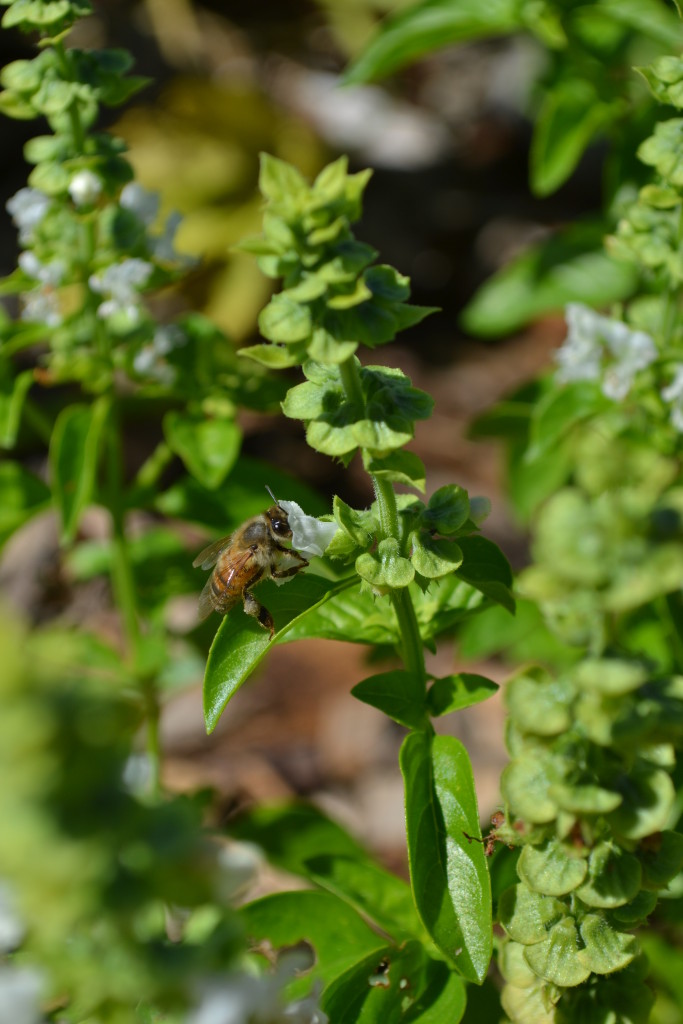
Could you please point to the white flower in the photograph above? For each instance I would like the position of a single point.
(150, 362)
(238, 863)
(41, 305)
(238, 999)
(85, 188)
(20, 989)
(143, 203)
(309, 536)
(580, 354)
(673, 393)
(305, 1011)
(120, 283)
(11, 926)
(49, 274)
(27, 207)
(137, 774)
(599, 348)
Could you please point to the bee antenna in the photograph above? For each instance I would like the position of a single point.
(271, 494)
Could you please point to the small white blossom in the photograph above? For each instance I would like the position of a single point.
(137, 774)
(120, 284)
(85, 188)
(140, 201)
(41, 304)
(237, 999)
(20, 989)
(150, 362)
(11, 926)
(673, 393)
(49, 274)
(310, 536)
(238, 863)
(27, 207)
(41, 307)
(599, 348)
(305, 1011)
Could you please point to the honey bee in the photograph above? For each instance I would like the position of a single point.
(252, 553)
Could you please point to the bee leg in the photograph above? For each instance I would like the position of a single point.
(261, 614)
(282, 574)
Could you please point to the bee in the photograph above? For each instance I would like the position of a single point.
(252, 553)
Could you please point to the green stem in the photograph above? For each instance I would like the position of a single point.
(411, 641)
(125, 591)
(386, 504)
(670, 315)
(77, 131)
(37, 420)
(351, 381)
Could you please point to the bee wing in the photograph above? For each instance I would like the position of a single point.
(205, 601)
(210, 555)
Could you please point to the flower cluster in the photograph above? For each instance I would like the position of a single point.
(601, 349)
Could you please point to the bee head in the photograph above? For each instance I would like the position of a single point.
(279, 523)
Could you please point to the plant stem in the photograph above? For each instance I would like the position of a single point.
(411, 641)
(351, 381)
(124, 588)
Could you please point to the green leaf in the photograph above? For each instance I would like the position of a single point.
(400, 467)
(293, 833)
(649, 798)
(279, 181)
(647, 18)
(285, 321)
(448, 509)
(386, 569)
(425, 27)
(443, 998)
(398, 984)
(448, 868)
(538, 703)
(487, 569)
(613, 879)
(605, 949)
(399, 694)
(335, 931)
(636, 910)
(559, 412)
(556, 958)
(241, 643)
(551, 869)
(453, 693)
(526, 786)
(661, 856)
(208, 447)
(612, 677)
(570, 266)
(12, 395)
(23, 496)
(570, 115)
(350, 616)
(73, 459)
(434, 557)
(277, 357)
(446, 602)
(359, 526)
(527, 916)
(375, 893)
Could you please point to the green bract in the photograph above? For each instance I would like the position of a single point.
(331, 300)
(381, 420)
